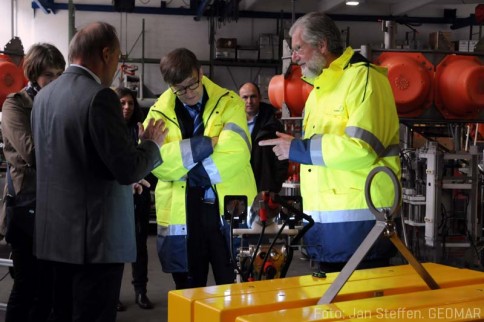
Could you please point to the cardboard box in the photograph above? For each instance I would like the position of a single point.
(226, 48)
(467, 45)
(247, 54)
(263, 83)
(226, 43)
(269, 47)
(472, 45)
(226, 53)
(464, 45)
(441, 40)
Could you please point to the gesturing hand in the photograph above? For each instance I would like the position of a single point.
(281, 145)
(155, 131)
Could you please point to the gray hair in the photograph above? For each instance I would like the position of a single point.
(318, 27)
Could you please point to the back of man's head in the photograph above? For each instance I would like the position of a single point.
(88, 43)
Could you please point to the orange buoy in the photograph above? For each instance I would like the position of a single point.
(411, 79)
(459, 87)
(291, 90)
(11, 78)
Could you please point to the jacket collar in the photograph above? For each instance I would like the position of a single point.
(86, 71)
(339, 63)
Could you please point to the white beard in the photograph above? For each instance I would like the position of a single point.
(314, 67)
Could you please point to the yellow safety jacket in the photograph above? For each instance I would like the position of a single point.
(350, 126)
(227, 164)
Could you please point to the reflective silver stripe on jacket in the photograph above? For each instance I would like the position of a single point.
(172, 230)
(186, 154)
(368, 137)
(316, 150)
(391, 151)
(335, 216)
(373, 141)
(212, 170)
(237, 129)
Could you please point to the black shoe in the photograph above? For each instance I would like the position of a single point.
(120, 307)
(143, 301)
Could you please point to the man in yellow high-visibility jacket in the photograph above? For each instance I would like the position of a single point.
(350, 126)
(202, 163)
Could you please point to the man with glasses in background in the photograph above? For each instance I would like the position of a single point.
(206, 156)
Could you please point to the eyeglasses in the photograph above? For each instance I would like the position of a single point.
(296, 50)
(183, 90)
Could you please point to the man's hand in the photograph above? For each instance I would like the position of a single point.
(214, 141)
(281, 145)
(138, 186)
(155, 131)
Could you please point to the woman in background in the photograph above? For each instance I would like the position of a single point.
(142, 204)
(31, 295)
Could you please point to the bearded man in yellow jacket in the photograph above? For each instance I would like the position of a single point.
(350, 126)
(206, 156)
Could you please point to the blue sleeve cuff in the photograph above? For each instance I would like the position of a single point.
(201, 147)
(299, 151)
(198, 176)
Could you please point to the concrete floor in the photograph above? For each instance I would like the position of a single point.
(158, 286)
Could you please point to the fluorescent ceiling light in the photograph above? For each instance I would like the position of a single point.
(352, 3)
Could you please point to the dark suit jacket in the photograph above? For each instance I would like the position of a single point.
(269, 172)
(86, 161)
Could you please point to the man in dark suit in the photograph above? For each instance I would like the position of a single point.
(86, 165)
(269, 172)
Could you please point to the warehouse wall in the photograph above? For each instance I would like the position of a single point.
(166, 32)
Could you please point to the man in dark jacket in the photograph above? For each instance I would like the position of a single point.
(269, 172)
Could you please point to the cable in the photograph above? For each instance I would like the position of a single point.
(231, 242)
(299, 215)
(474, 247)
(284, 268)
(259, 242)
(279, 233)
(3, 277)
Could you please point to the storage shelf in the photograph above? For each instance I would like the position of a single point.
(215, 62)
(430, 51)
(235, 63)
(141, 60)
(414, 223)
(415, 203)
(458, 245)
(455, 185)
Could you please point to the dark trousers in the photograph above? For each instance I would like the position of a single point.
(86, 293)
(206, 246)
(139, 269)
(31, 295)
